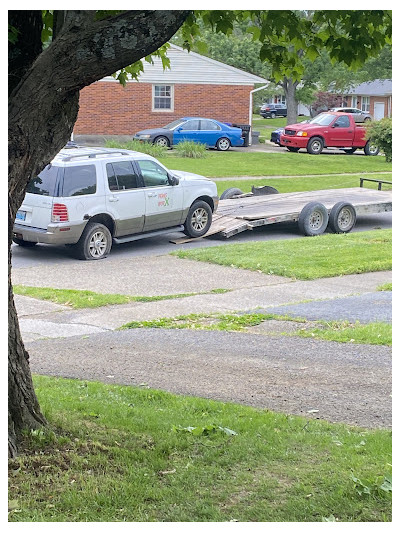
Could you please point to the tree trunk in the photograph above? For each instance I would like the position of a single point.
(43, 107)
(291, 102)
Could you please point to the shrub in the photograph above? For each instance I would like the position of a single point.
(380, 133)
(137, 146)
(191, 149)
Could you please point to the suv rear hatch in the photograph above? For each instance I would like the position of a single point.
(36, 209)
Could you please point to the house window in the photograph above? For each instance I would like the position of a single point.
(365, 103)
(163, 99)
(354, 101)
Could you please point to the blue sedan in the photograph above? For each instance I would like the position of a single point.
(206, 131)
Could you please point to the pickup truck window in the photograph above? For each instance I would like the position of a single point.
(342, 122)
(323, 120)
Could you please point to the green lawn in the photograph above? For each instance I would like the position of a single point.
(306, 258)
(226, 164)
(133, 454)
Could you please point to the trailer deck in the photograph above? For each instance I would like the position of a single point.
(245, 213)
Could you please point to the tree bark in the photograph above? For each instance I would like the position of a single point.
(290, 87)
(43, 107)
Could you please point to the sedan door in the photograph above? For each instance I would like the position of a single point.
(210, 132)
(189, 131)
(164, 202)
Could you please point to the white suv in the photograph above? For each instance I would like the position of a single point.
(90, 197)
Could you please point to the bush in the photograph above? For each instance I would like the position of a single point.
(137, 146)
(380, 133)
(191, 149)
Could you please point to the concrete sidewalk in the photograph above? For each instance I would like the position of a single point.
(168, 275)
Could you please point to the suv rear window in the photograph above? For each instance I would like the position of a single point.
(45, 183)
(79, 180)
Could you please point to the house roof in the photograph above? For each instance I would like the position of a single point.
(190, 67)
(373, 88)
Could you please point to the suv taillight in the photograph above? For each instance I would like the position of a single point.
(59, 213)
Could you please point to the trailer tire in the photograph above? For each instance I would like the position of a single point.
(342, 217)
(371, 149)
(230, 193)
(315, 145)
(313, 219)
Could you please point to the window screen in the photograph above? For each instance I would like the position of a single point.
(162, 97)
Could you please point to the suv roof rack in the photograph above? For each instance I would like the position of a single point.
(92, 155)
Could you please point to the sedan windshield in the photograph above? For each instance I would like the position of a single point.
(174, 124)
(323, 120)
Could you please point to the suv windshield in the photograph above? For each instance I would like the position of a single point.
(323, 120)
(45, 183)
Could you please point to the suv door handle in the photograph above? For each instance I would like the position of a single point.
(151, 194)
(113, 199)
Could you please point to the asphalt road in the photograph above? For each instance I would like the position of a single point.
(332, 381)
(47, 254)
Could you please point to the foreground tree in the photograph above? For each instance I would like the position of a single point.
(43, 106)
(82, 47)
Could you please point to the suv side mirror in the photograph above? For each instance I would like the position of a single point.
(173, 180)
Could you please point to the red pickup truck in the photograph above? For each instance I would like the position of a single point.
(336, 130)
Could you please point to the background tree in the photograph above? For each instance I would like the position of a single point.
(82, 47)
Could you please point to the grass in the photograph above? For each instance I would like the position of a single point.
(385, 287)
(377, 333)
(137, 146)
(307, 258)
(303, 183)
(79, 299)
(131, 454)
(227, 164)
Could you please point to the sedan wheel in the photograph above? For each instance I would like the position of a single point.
(223, 144)
(161, 141)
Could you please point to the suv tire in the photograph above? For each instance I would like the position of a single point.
(198, 220)
(95, 242)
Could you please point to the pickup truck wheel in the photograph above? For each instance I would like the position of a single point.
(198, 220)
(371, 149)
(95, 242)
(273, 115)
(315, 145)
(161, 141)
(230, 193)
(292, 148)
(313, 219)
(223, 144)
(342, 217)
(24, 244)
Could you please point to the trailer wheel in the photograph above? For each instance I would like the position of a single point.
(315, 145)
(230, 193)
(371, 149)
(342, 217)
(313, 219)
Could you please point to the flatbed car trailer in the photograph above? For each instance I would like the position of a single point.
(314, 211)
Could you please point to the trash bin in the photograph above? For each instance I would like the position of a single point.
(245, 132)
(255, 137)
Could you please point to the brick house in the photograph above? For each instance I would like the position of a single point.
(195, 85)
(375, 97)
